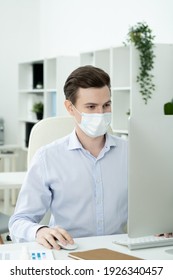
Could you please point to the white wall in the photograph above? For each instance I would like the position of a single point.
(19, 40)
(70, 26)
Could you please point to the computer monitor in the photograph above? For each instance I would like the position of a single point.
(150, 190)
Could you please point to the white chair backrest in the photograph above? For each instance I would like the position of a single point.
(44, 132)
(48, 130)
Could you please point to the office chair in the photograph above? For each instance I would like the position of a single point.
(4, 219)
(46, 131)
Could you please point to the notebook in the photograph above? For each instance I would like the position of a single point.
(101, 254)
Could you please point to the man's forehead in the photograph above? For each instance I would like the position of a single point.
(93, 94)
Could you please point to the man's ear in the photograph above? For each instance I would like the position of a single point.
(69, 107)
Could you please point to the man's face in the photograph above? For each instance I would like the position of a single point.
(92, 100)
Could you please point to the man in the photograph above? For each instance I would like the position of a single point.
(81, 178)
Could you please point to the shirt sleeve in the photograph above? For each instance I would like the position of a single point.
(33, 202)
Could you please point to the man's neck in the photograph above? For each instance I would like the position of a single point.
(93, 145)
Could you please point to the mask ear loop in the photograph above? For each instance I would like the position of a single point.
(76, 109)
(77, 112)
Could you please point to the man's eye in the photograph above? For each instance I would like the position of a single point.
(107, 105)
(91, 107)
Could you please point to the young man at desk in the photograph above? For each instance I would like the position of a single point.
(81, 178)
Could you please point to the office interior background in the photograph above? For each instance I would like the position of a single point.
(37, 29)
(34, 29)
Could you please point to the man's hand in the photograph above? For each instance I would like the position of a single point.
(47, 237)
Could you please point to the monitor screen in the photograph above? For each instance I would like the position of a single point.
(150, 177)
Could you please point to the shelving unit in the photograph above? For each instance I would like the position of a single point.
(121, 63)
(42, 80)
(120, 78)
(98, 58)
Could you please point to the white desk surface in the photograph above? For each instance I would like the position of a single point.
(8, 155)
(9, 146)
(88, 243)
(11, 179)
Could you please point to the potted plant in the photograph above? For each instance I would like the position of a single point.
(38, 109)
(168, 108)
(141, 36)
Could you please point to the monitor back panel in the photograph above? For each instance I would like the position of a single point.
(150, 178)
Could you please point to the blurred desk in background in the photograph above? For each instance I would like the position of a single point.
(10, 181)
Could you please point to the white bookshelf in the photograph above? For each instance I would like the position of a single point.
(49, 90)
(99, 58)
(120, 62)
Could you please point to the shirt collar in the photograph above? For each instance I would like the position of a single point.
(110, 141)
(74, 142)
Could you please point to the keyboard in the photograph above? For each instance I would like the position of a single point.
(143, 242)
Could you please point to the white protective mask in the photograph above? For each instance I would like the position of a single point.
(96, 124)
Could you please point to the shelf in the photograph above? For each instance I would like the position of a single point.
(99, 58)
(102, 60)
(120, 67)
(28, 120)
(120, 89)
(120, 109)
(120, 132)
(36, 91)
(26, 101)
(87, 58)
(31, 74)
(51, 74)
(50, 90)
(50, 103)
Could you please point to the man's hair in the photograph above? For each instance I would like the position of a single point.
(85, 77)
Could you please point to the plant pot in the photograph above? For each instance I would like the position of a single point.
(168, 108)
(39, 116)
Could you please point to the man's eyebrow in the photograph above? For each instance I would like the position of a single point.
(107, 102)
(92, 103)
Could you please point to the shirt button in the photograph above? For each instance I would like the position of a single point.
(98, 180)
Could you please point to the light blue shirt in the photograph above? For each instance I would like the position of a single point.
(87, 196)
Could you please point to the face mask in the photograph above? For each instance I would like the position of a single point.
(94, 125)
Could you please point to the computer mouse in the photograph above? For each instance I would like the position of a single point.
(68, 246)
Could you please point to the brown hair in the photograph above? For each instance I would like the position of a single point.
(85, 77)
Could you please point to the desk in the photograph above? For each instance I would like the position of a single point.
(10, 180)
(9, 161)
(9, 164)
(89, 243)
(8, 156)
